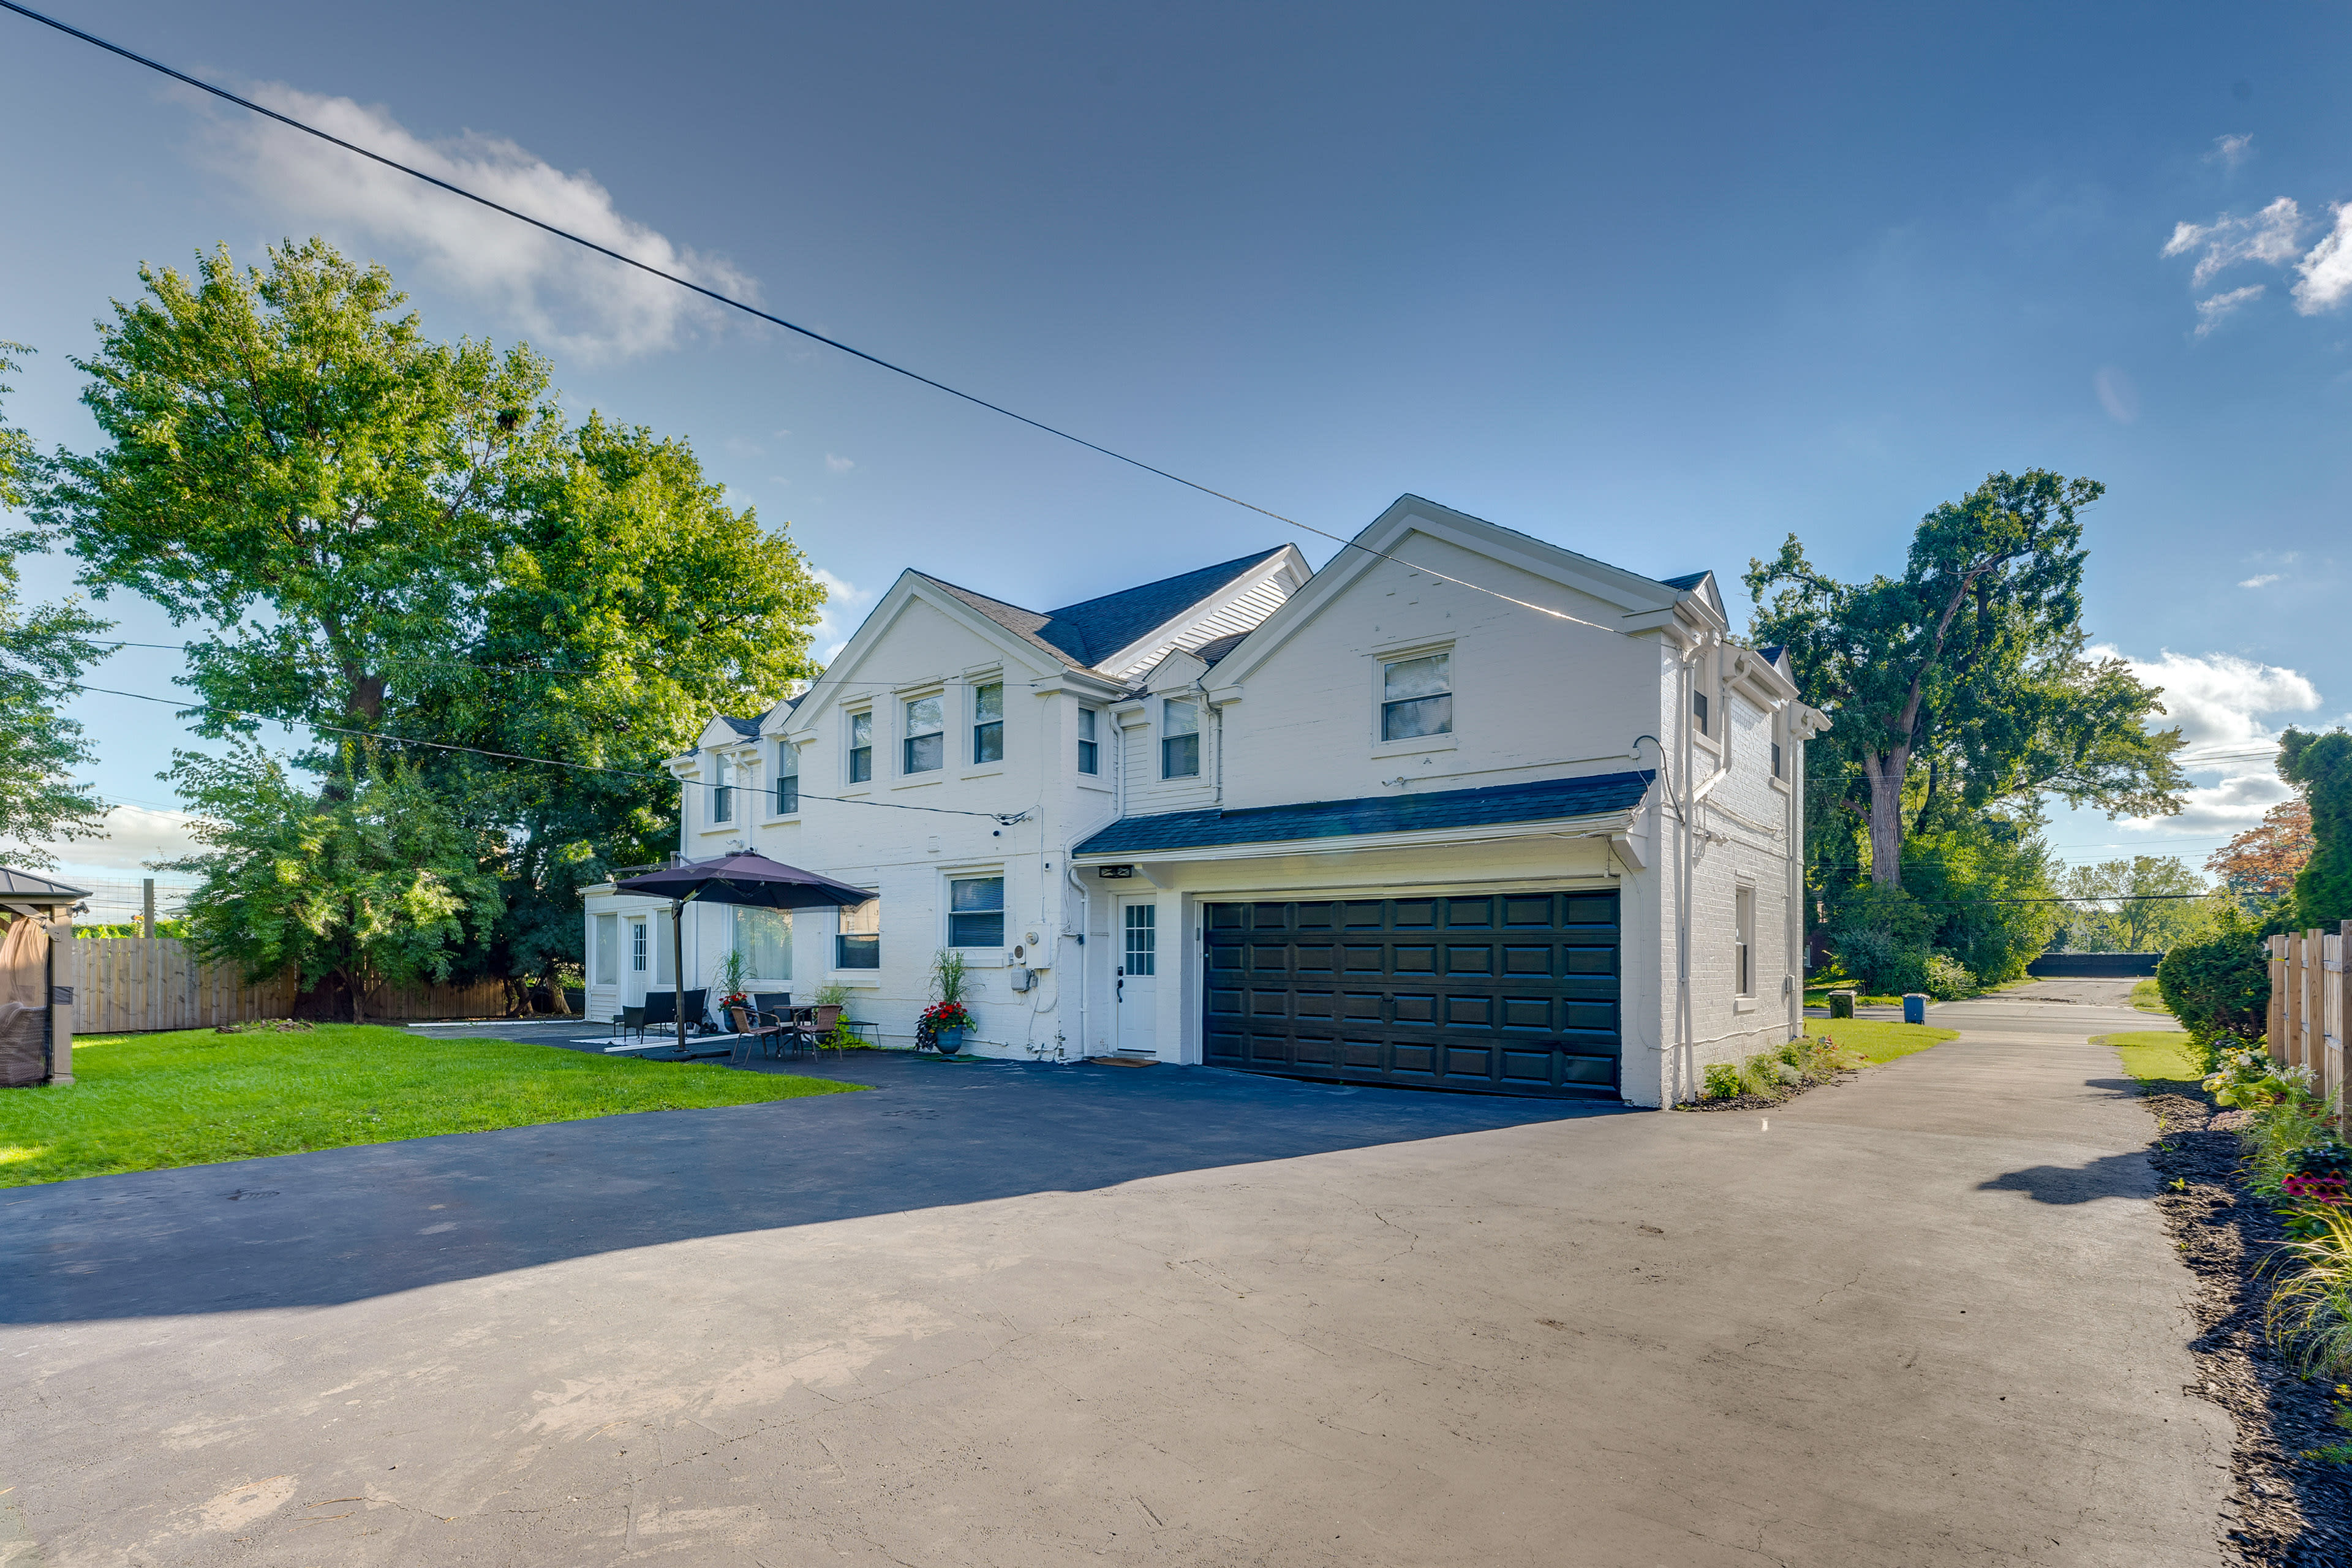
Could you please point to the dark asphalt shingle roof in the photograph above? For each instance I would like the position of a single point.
(1092, 630)
(29, 884)
(1216, 648)
(1687, 582)
(1537, 802)
(742, 726)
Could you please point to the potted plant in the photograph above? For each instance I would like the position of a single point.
(731, 991)
(947, 1019)
(831, 1002)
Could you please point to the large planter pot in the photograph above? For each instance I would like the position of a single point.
(950, 1041)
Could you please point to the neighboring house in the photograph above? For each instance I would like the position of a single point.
(1367, 823)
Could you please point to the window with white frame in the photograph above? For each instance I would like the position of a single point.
(988, 723)
(608, 950)
(764, 938)
(1180, 739)
(859, 943)
(1743, 940)
(861, 747)
(1141, 924)
(976, 911)
(1089, 752)
(1777, 763)
(1417, 697)
(788, 778)
(637, 947)
(1698, 712)
(926, 738)
(722, 790)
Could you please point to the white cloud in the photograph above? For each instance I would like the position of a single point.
(563, 296)
(845, 604)
(838, 465)
(2231, 151)
(2268, 236)
(134, 835)
(2118, 396)
(2262, 580)
(2327, 272)
(2212, 312)
(2220, 701)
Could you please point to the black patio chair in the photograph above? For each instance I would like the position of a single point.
(631, 1021)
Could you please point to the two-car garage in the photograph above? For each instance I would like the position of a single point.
(1504, 993)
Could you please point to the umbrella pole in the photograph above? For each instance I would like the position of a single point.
(678, 966)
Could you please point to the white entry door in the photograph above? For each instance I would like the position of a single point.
(637, 958)
(1137, 987)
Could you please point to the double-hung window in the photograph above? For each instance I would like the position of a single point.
(1180, 739)
(1090, 758)
(788, 778)
(861, 747)
(722, 790)
(1698, 710)
(859, 946)
(988, 723)
(926, 738)
(1743, 939)
(1417, 697)
(1776, 761)
(976, 911)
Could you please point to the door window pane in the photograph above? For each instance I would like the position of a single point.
(764, 938)
(1142, 938)
(608, 948)
(722, 791)
(1417, 697)
(988, 723)
(1180, 739)
(861, 747)
(976, 911)
(859, 946)
(638, 947)
(925, 740)
(788, 778)
(1088, 757)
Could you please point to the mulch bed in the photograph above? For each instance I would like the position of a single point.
(2283, 1509)
(1762, 1102)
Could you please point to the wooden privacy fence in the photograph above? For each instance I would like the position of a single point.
(2311, 1007)
(127, 985)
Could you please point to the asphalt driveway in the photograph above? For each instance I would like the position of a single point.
(1014, 1315)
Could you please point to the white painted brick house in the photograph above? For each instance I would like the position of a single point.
(1368, 823)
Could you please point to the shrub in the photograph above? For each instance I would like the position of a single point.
(1949, 979)
(1722, 1081)
(1880, 936)
(2218, 986)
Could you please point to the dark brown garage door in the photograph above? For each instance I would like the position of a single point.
(1511, 993)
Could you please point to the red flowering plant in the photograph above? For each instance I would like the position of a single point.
(943, 1015)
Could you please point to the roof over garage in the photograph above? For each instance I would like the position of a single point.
(1542, 801)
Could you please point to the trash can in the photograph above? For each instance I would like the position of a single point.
(1915, 1007)
(1841, 1003)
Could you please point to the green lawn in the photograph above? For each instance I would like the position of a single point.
(2148, 998)
(145, 1102)
(2155, 1055)
(1880, 1039)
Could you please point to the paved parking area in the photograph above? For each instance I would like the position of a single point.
(1016, 1315)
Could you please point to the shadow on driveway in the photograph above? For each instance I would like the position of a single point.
(342, 1225)
(2108, 1176)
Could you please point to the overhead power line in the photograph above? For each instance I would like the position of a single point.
(1006, 819)
(734, 304)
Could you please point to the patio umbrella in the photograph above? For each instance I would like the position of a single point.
(747, 877)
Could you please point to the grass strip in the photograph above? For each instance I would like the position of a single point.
(2155, 1055)
(1881, 1040)
(148, 1102)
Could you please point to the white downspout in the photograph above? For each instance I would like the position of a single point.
(1085, 920)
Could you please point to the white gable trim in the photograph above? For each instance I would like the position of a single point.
(839, 683)
(1286, 573)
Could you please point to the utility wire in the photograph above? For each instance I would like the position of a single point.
(1003, 818)
(712, 294)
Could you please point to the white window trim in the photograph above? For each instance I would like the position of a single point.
(1155, 721)
(1384, 656)
(900, 701)
(972, 681)
(976, 957)
(1743, 888)
(872, 977)
(768, 811)
(1107, 733)
(848, 739)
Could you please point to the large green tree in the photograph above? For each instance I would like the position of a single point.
(1963, 685)
(2146, 903)
(43, 649)
(2320, 765)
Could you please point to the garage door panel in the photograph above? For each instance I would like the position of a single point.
(1511, 993)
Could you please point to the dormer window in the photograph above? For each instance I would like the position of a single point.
(1417, 697)
(1090, 758)
(926, 740)
(1180, 739)
(722, 790)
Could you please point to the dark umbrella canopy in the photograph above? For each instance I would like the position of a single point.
(746, 877)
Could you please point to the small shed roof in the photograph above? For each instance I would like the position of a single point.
(31, 887)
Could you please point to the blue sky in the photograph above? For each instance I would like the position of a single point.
(1661, 283)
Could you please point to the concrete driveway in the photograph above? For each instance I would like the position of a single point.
(1013, 1315)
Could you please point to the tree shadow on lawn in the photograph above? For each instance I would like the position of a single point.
(342, 1225)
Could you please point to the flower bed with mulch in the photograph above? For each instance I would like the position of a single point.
(2290, 1505)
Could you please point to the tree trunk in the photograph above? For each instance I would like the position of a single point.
(562, 1003)
(359, 1004)
(1885, 771)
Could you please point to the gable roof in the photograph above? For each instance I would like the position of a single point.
(1091, 631)
(28, 885)
(1027, 625)
(1537, 802)
(744, 727)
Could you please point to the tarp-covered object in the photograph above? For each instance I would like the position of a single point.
(23, 1003)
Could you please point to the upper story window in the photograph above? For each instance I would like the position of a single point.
(988, 723)
(788, 778)
(1090, 756)
(925, 740)
(1776, 761)
(976, 911)
(1698, 712)
(722, 790)
(859, 943)
(1417, 697)
(861, 747)
(1180, 739)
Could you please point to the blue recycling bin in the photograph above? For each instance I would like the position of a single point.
(1915, 1007)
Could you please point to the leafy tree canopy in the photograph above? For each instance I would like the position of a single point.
(2142, 906)
(1963, 685)
(2259, 865)
(2320, 765)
